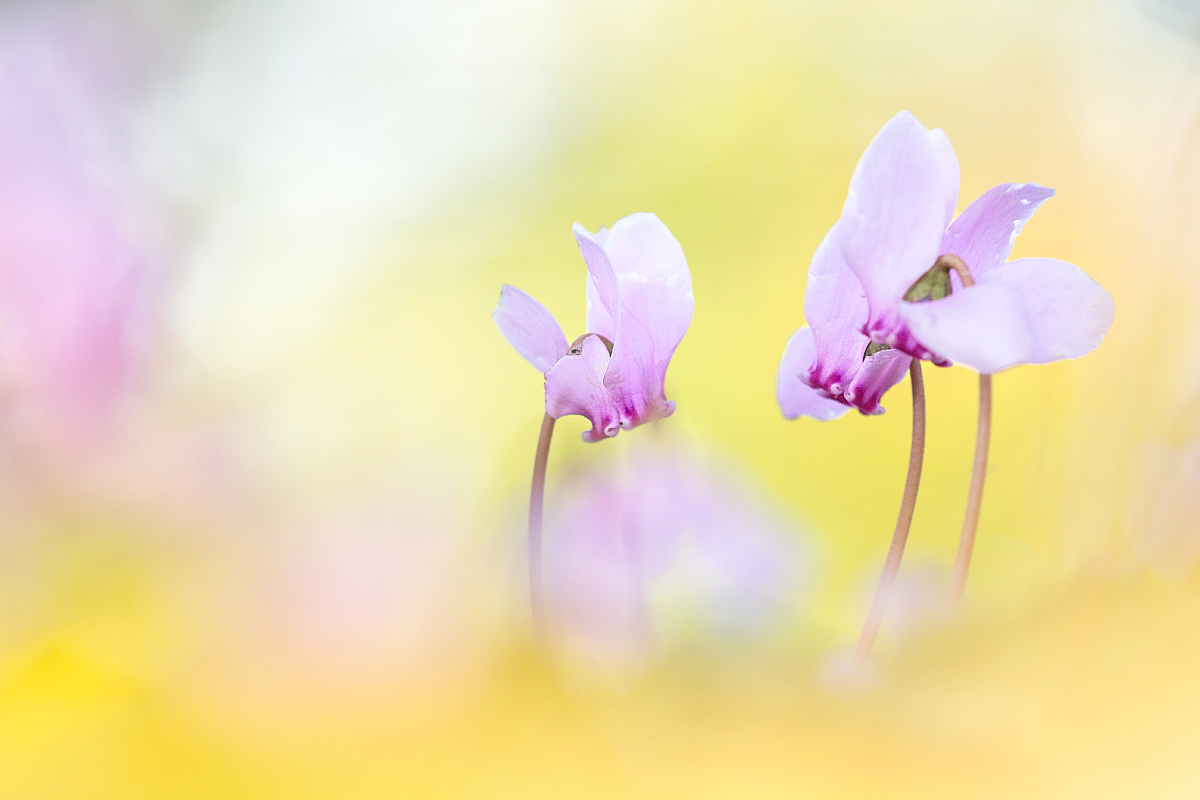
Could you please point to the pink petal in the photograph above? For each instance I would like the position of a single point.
(634, 382)
(654, 285)
(575, 385)
(983, 326)
(1033, 311)
(894, 216)
(983, 235)
(950, 173)
(1067, 312)
(601, 278)
(836, 308)
(529, 328)
(653, 308)
(878, 373)
(598, 319)
(797, 398)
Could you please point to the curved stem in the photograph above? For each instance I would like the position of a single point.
(536, 495)
(951, 261)
(966, 544)
(891, 566)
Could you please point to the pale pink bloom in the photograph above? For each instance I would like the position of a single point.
(897, 220)
(634, 555)
(640, 304)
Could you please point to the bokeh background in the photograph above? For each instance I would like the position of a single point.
(264, 457)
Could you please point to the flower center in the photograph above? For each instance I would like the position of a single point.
(935, 283)
(577, 345)
(873, 348)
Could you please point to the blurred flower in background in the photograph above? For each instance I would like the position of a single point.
(664, 551)
(77, 239)
(247, 256)
(1164, 508)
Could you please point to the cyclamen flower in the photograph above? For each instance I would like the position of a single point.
(640, 303)
(899, 278)
(942, 290)
(877, 279)
(895, 225)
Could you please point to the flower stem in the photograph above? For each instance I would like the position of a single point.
(891, 566)
(536, 495)
(966, 544)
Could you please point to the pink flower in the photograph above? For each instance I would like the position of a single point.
(640, 304)
(662, 547)
(897, 222)
(878, 278)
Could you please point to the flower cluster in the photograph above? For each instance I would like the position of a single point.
(898, 280)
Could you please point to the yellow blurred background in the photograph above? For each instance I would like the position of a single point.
(273, 545)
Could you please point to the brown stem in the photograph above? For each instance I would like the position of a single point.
(966, 544)
(536, 494)
(891, 566)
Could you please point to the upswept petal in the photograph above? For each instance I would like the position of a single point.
(836, 308)
(644, 310)
(598, 319)
(575, 385)
(893, 219)
(601, 277)
(878, 373)
(529, 328)
(797, 398)
(950, 171)
(653, 281)
(983, 326)
(983, 235)
(1067, 312)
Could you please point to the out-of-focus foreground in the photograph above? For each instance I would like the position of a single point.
(264, 456)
